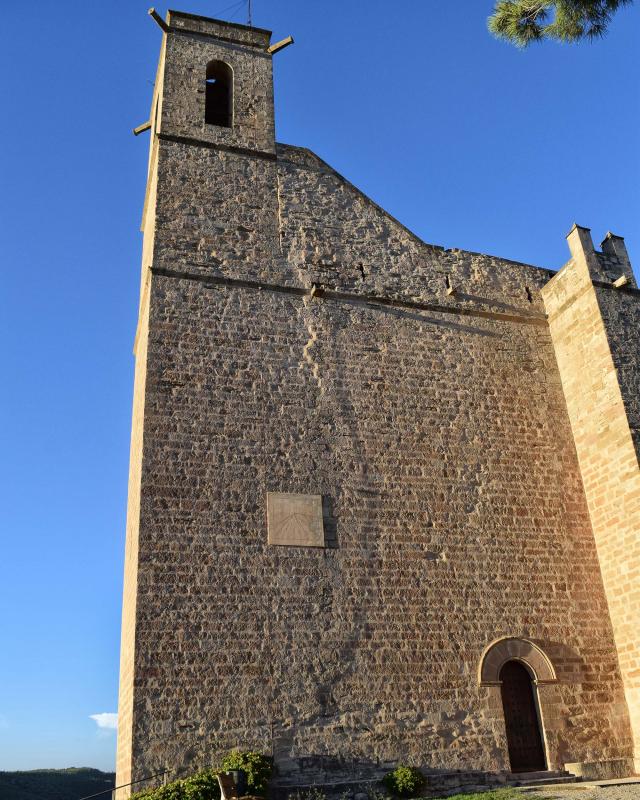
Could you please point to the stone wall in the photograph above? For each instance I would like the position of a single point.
(334, 235)
(620, 311)
(595, 333)
(128, 669)
(417, 392)
(456, 511)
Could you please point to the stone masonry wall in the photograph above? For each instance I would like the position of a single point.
(128, 676)
(456, 512)
(620, 311)
(332, 234)
(621, 316)
(418, 393)
(595, 333)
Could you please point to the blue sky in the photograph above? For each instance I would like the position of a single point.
(466, 140)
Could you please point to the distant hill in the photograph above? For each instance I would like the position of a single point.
(55, 784)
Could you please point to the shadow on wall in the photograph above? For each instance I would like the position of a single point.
(419, 317)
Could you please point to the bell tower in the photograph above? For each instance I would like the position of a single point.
(216, 84)
(210, 210)
(212, 195)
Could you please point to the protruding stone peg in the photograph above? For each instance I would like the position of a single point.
(275, 48)
(158, 19)
(142, 128)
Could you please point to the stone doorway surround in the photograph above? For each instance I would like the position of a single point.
(511, 648)
(543, 679)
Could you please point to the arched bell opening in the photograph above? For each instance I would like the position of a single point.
(218, 108)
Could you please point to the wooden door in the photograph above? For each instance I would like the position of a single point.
(526, 752)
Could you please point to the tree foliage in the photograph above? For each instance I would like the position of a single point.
(55, 784)
(524, 21)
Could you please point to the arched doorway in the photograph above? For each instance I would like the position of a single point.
(524, 739)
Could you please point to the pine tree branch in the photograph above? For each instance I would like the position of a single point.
(524, 21)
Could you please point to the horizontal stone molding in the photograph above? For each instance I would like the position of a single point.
(227, 148)
(373, 301)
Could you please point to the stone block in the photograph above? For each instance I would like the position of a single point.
(601, 770)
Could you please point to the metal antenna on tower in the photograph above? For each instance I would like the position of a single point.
(249, 15)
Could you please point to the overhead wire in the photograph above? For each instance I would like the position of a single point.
(234, 6)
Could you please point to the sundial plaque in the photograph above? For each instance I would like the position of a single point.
(295, 519)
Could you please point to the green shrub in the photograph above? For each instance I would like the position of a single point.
(259, 769)
(202, 786)
(375, 794)
(404, 781)
(308, 794)
(172, 791)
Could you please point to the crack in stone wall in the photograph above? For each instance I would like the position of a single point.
(307, 357)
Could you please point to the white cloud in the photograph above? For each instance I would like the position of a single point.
(105, 720)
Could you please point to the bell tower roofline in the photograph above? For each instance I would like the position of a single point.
(181, 22)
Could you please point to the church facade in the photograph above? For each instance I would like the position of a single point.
(384, 496)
